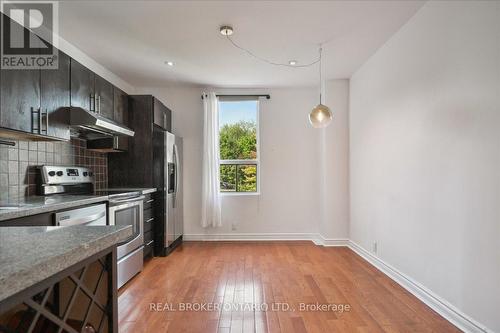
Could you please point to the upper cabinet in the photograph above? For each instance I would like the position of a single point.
(33, 102)
(120, 106)
(92, 92)
(82, 86)
(20, 100)
(162, 116)
(55, 98)
(104, 97)
(20, 96)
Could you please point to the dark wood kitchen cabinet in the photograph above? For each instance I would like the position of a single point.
(90, 91)
(35, 104)
(103, 97)
(82, 86)
(35, 101)
(55, 98)
(44, 219)
(20, 100)
(120, 106)
(20, 94)
(148, 225)
(32, 100)
(162, 116)
(144, 112)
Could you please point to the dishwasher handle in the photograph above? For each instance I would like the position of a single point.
(81, 220)
(90, 215)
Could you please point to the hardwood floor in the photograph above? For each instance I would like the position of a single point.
(272, 273)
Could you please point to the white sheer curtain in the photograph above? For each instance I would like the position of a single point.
(211, 201)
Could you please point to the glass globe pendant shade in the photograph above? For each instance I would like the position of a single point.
(320, 116)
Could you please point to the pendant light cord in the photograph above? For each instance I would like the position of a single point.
(320, 78)
(269, 61)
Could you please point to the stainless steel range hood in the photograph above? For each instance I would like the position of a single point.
(115, 144)
(91, 125)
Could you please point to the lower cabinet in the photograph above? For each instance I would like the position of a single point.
(148, 226)
(39, 220)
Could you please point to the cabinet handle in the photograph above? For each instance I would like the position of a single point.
(33, 113)
(97, 104)
(46, 121)
(40, 121)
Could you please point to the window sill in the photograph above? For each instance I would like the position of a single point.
(237, 194)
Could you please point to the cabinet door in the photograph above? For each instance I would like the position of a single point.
(162, 115)
(82, 86)
(120, 106)
(168, 119)
(45, 219)
(20, 102)
(104, 97)
(55, 98)
(20, 91)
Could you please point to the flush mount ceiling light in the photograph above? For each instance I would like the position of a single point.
(226, 30)
(320, 116)
(292, 62)
(169, 63)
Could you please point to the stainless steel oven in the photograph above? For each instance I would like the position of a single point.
(126, 209)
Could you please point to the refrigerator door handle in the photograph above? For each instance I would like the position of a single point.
(176, 155)
(175, 176)
(165, 166)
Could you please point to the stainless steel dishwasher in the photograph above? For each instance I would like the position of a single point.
(90, 215)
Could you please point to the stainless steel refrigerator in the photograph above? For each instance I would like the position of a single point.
(167, 177)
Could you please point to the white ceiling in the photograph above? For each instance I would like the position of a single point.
(134, 38)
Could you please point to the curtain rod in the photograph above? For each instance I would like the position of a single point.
(266, 96)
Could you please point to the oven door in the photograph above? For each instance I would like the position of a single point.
(128, 212)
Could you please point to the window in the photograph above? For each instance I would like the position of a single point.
(239, 146)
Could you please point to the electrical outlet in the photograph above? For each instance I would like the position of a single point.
(374, 247)
(233, 227)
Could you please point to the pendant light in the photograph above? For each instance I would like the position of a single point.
(320, 116)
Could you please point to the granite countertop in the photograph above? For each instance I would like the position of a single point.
(38, 204)
(29, 255)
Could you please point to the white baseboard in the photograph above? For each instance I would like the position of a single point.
(315, 238)
(441, 306)
(250, 237)
(320, 240)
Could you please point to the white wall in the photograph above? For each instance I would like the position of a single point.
(289, 204)
(425, 154)
(334, 157)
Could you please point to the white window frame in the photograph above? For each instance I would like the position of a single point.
(244, 162)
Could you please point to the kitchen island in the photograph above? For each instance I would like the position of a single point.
(59, 277)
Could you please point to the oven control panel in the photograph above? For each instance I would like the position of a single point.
(66, 175)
